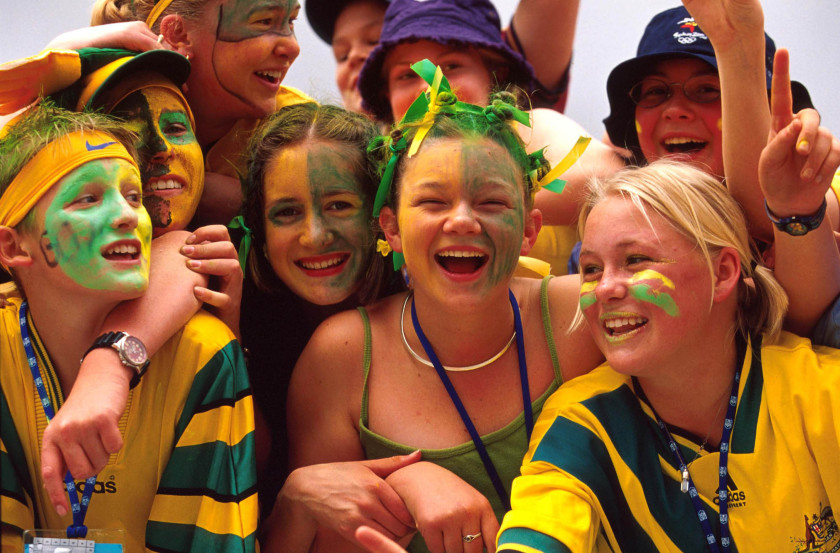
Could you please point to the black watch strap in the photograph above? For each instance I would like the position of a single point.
(108, 340)
(798, 225)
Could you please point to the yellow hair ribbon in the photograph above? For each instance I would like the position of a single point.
(429, 118)
(51, 164)
(538, 266)
(563, 166)
(159, 8)
(383, 247)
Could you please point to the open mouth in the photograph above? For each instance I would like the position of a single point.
(622, 327)
(683, 145)
(126, 250)
(461, 261)
(272, 77)
(323, 265)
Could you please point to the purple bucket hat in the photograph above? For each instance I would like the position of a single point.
(464, 22)
(670, 34)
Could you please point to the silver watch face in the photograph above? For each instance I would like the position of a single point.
(134, 351)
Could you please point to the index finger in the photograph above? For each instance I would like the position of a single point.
(52, 470)
(781, 98)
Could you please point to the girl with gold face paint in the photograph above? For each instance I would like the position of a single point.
(171, 164)
(309, 197)
(460, 212)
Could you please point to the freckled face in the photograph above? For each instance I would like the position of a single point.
(317, 220)
(356, 34)
(681, 128)
(461, 216)
(171, 162)
(646, 291)
(243, 49)
(464, 69)
(96, 230)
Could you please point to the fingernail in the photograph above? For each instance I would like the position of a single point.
(61, 510)
(199, 293)
(807, 173)
(803, 145)
(188, 250)
(193, 263)
(190, 239)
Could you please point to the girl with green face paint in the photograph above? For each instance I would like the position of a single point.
(96, 230)
(309, 196)
(459, 210)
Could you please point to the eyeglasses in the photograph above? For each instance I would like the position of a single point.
(651, 92)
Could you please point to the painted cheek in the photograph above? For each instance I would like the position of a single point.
(651, 287)
(587, 294)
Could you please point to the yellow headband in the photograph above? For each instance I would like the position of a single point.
(156, 11)
(54, 161)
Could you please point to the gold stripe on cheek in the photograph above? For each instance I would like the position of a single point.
(649, 274)
(587, 294)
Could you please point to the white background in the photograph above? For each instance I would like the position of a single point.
(608, 32)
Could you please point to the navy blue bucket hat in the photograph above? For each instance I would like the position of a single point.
(670, 34)
(462, 22)
(322, 15)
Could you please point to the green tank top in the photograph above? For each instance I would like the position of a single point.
(506, 446)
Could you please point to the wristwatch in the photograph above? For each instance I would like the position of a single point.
(131, 350)
(797, 225)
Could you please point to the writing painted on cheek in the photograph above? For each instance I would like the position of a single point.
(587, 294)
(650, 286)
(47, 250)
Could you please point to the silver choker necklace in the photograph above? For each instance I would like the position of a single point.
(451, 369)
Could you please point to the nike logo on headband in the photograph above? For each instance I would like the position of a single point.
(91, 148)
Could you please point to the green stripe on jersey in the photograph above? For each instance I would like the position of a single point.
(749, 403)
(208, 390)
(637, 439)
(531, 538)
(168, 536)
(193, 470)
(14, 475)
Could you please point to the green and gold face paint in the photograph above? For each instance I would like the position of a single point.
(651, 286)
(587, 294)
(244, 19)
(96, 229)
(171, 162)
(319, 237)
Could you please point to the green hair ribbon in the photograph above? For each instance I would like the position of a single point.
(247, 238)
(397, 146)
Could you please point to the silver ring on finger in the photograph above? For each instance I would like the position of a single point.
(471, 537)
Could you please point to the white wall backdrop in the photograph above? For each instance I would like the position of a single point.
(607, 34)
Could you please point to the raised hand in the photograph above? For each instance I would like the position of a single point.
(800, 159)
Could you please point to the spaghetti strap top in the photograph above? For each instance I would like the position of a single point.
(506, 446)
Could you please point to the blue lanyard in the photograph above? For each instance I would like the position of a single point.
(687, 484)
(79, 509)
(526, 396)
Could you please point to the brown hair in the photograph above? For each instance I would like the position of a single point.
(291, 126)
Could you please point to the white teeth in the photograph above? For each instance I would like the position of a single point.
(321, 264)
(168, 184)
(617, 323)
(270, 74)
(457, 253)
(682, 140)
(121, 249)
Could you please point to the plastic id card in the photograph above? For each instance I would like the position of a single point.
(56, 541)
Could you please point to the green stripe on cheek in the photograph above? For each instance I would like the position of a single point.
(663, 300)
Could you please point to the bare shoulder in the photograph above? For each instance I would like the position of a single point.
(571, 334)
